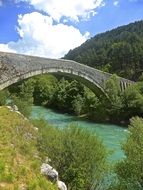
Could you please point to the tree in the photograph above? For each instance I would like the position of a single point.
(94, 106)
(66, 94)
(130, 170)
(114, 103)
(24, 97)
(44, 89)
(78, 105)
(133, 101)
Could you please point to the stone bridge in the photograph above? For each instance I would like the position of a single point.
(16, 67)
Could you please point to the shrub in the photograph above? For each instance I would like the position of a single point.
(78, 156)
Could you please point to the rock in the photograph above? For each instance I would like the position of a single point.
(61, 185)
(9, 107)
(14, 108)
(52, 175)
(49, 172)
(18, 112)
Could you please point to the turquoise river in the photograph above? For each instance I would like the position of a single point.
(111, 135)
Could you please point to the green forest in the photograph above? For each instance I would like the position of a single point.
(117, 51)
(70, 96)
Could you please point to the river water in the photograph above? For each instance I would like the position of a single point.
(111, 135)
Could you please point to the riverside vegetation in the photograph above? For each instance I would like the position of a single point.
(73, 97)
(78, 155)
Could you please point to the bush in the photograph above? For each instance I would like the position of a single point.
(78, 156)
(3, 97)
(24, 106)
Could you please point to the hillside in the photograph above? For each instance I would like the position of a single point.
(117, 51)
(19, 160)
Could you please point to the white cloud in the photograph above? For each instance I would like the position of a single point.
(6, 48)
(39, 36)
(116, 3)
(72, 9)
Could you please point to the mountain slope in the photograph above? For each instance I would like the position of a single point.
(117, 51)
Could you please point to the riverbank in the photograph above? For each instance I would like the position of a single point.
(111, 135)
(86, 117)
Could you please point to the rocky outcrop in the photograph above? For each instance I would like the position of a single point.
(52, 175)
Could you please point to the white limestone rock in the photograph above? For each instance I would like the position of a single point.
(49, 172)
(52, 175)
(61, 185)
(15, 108)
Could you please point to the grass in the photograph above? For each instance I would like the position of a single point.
(19, 159)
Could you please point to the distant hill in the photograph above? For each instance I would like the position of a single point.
(117, 51)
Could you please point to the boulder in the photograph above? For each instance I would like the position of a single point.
(49, 172)
(61, 185)
(14, 108)
(52, 175)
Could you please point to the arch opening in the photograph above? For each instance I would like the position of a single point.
(80, 77)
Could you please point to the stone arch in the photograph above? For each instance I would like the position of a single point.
(81, 77)
(17, 67)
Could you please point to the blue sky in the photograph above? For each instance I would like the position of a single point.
(50, 28)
